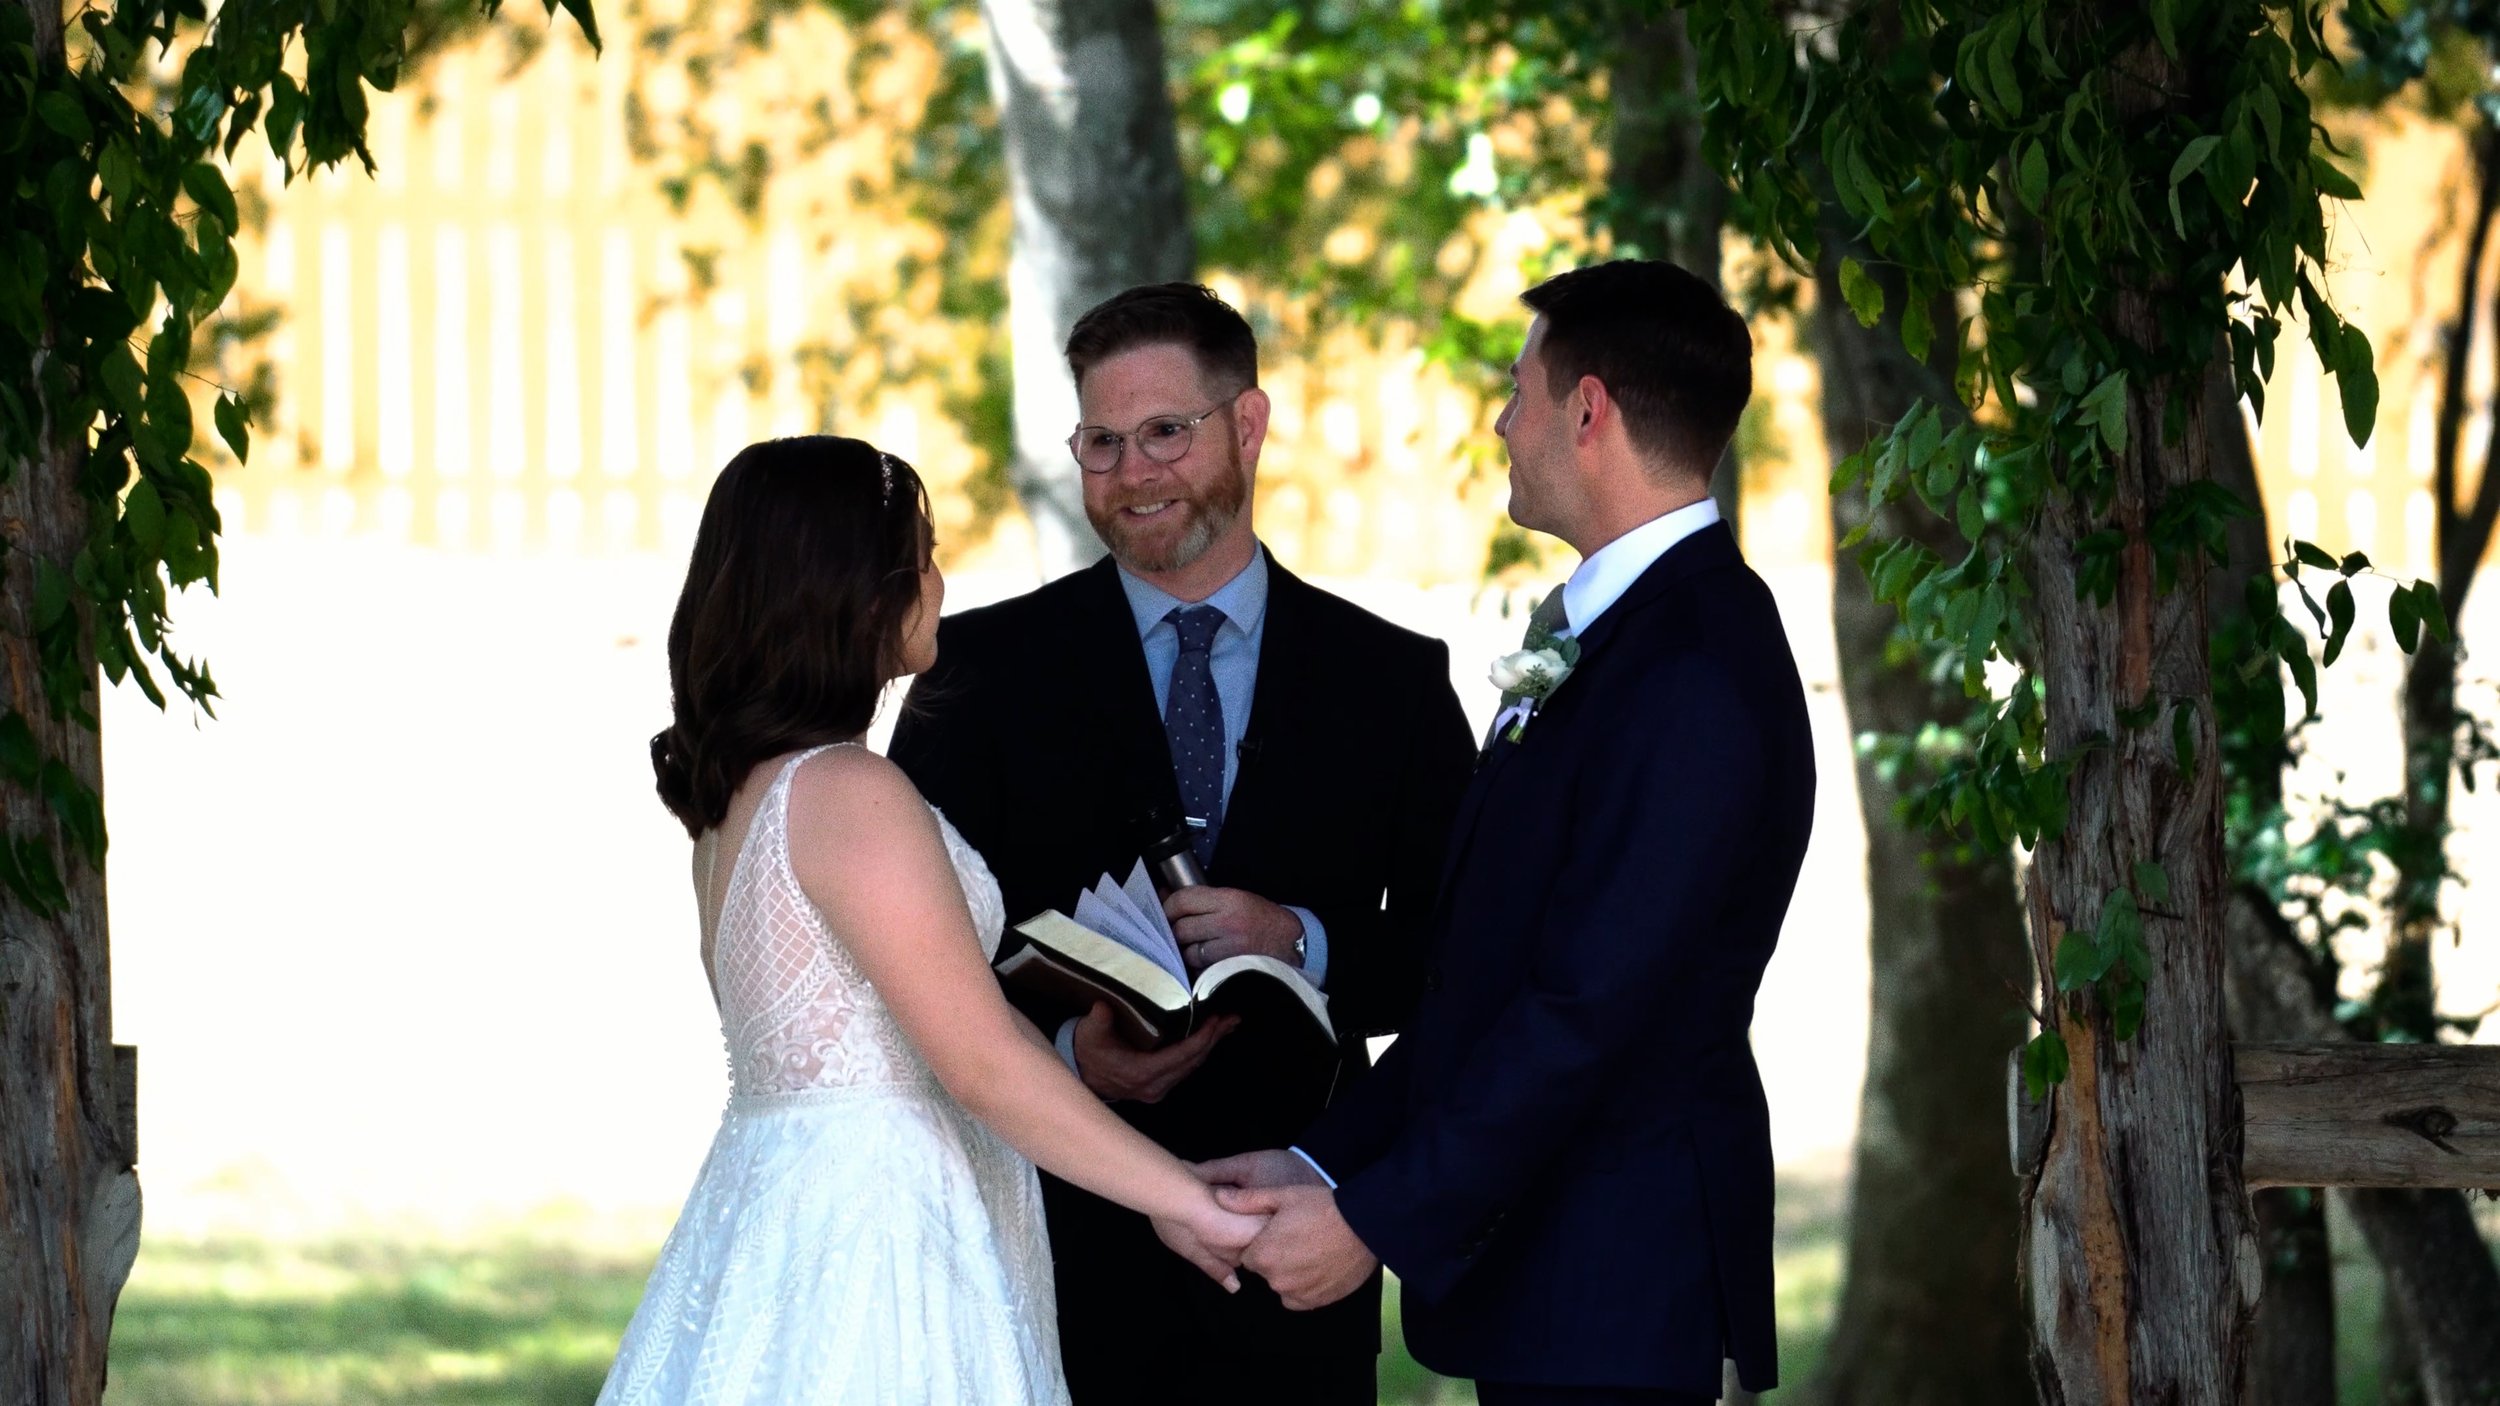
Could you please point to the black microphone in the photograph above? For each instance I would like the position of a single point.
(1169, 846)
(1247, 750)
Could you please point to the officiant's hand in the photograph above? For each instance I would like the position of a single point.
(1117, 1070)
(1213, 924)
(1307, 1254)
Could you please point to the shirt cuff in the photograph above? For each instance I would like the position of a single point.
(1314, 1166)
(1314, 945)
(1066, 1041)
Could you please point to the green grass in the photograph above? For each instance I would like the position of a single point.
(532, 1315)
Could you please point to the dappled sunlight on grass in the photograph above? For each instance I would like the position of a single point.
(532, 1313)
(245, 1323)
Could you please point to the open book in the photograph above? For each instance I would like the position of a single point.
(1119, 948)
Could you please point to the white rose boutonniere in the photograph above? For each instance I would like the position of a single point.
(1527, 677)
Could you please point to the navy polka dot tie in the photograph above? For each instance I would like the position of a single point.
(1193, 719)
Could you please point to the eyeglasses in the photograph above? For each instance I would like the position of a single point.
(1163, 439)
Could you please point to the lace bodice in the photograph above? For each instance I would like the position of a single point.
(796, 1012)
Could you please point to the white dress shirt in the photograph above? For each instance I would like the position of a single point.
(1611, 569)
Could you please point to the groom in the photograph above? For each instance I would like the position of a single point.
(1567, 1156)
(1321, 751)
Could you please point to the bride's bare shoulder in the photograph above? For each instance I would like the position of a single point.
(856, 794)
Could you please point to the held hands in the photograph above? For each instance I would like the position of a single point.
(1213, 924)
(1307, 1253)
(1211, 1238)
(1116, 1070)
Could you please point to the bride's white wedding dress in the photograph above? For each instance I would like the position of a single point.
(854, 1235)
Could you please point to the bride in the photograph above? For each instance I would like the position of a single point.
(867, 1226)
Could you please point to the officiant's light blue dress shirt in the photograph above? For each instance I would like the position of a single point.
(1234, 660)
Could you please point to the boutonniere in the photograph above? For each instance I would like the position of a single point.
(1529, 676)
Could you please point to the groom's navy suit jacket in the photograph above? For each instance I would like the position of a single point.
(1566, 1157)
(1038, 733)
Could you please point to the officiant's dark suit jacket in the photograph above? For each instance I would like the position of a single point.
(1038, 734)
(1567, 1156)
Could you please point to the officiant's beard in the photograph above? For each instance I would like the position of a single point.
(1152, 547)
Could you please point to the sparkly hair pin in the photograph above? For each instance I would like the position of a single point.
(885, 471)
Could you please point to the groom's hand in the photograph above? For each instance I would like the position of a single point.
(1213, 924)
(1307, 1254)
(1274, 1167)
(1116, 1070)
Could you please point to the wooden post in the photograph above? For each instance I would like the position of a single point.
(2341, 1114)
(2370, 1115)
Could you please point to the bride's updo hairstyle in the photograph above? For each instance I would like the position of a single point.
(806, 570)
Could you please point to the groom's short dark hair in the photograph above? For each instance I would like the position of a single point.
(1169, 314)
(1668, 348)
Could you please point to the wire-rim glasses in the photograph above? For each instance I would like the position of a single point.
(1163, 439)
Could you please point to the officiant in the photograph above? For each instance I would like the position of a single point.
(1316, 754)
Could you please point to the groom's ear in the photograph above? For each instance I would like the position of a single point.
(1595, 404)
(1250, 414)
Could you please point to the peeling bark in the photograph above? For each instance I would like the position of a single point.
(2142, 1252)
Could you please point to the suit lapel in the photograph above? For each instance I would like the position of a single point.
(1712, 547)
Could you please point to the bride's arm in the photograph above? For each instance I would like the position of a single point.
(867, 852)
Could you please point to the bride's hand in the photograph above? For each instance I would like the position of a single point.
(1211, 1238)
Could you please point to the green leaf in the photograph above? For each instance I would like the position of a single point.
(2304, 674)
(52, 589)
(61, 112)
(1864, 294)
(2001, 75)
(2331, 181)
(2339, 616)
(2126, 1008)
(2122, 925)
(234, 426)
(2166, 27)
(143, 512)
(207, 187)
(2044, 1063)
(2080, 961)
(2356, 381)
(2353, 564)
(2153, 881)
(2032, 180)
(21, 758)
(2106, 409)
(2434, 611)
(2191, 157)
(2310, 553)
(2404, 617)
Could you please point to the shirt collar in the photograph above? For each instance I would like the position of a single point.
(1242, 599)
(1611, 569)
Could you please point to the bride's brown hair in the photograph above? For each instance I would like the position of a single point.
(806, 570)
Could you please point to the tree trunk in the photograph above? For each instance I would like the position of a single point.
(2143, 1260)
(2442, 1285)
(1663, 201)
(1934, 1215)
(1093, 169)
(69, 1200)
